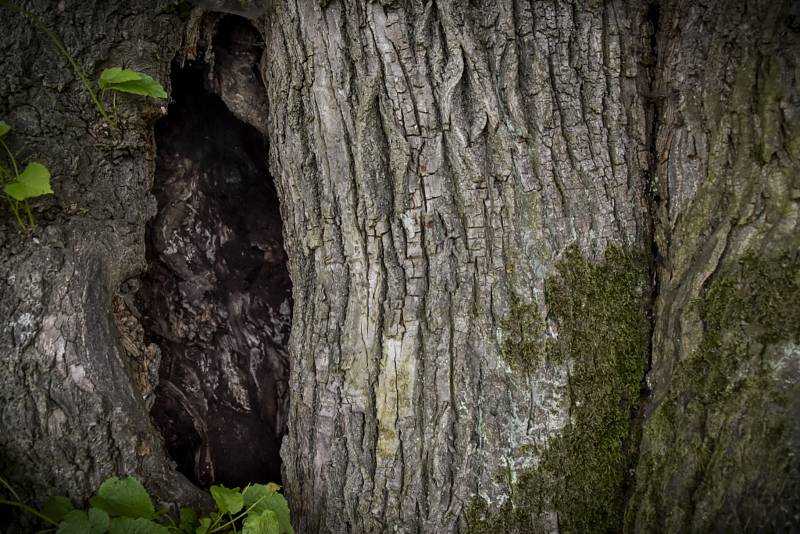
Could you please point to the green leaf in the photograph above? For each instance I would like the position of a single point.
(75, 522)
(188, 520)
(124, 497)
(4, 128)
(204, 524)
(267, 498)
(57, 507)
(117, 75)
(127, 525)
(145, 86)
(228, 501)
(79, 522)
(34, 181)
(264, 523)
(99, 520)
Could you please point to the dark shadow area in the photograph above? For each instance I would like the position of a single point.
(217, 296)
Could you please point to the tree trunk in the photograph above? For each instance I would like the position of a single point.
(72, 411)
(543, 254)
(721, 434)
(438, 162)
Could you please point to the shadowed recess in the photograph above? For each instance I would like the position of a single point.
(217, 296)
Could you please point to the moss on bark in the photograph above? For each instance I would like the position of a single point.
(598, 313)
(721, 430)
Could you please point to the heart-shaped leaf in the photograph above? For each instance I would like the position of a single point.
(56, 508)
(229, 501)
(127, 525)
(188, 520)
(99, 520)
(124, 497)
(263, 523)
(4, 128)
(205, 524)
(117, 75)
(263, 498)
(79, 522)
(34, 181)
(129, 81)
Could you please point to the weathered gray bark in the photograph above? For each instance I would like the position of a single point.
(436, 160)
(497, 217)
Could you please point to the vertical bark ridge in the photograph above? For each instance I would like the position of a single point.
(720, 430)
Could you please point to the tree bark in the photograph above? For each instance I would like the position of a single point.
(436, 161)
(721, 432)
(543, 254)
(72, 414)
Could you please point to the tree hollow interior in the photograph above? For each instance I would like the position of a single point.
(217, 296)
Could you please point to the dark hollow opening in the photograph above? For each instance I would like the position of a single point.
(217, 295)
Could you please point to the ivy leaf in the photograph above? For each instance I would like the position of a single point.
(205, 523)
(56, 508)
(252, 493)
(140, 525)
(147, 86)
(188, 520)
(264, 523)
(4, 128)
(34, 181)
(124, 497)
(117, 75)
(267, 498)
(130, 81)
(229, 501)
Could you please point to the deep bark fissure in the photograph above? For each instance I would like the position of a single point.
(217, 296)
(653, 203)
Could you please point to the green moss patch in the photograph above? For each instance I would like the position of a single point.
(600, 313)
(523, 346)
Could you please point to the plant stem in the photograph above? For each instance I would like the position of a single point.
(29, 510)
(114, 106)
(63, 50)
(235, 519)
(4, 175)
(10, 488)
(15, 209)
(10, 155)
(29, 212)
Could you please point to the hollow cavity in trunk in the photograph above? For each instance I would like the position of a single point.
(217, 296)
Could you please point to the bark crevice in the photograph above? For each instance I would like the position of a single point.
(654, 259)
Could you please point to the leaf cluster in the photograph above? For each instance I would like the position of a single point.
(123, 506)
(115, 79)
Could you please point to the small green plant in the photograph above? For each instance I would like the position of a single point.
(123, 506)
(18, 187)
(114, 79)
(121, 80)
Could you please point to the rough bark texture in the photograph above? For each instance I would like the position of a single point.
(436, 160)
(543, 254)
